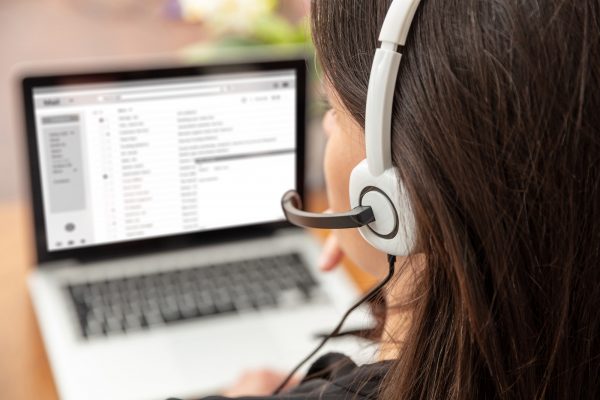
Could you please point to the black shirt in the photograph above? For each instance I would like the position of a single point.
(333, 376)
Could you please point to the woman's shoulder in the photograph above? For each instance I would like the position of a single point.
(334, 376)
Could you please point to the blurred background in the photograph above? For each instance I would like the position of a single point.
(75, 35)
(70, 34)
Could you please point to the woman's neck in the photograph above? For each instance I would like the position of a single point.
(399, 298)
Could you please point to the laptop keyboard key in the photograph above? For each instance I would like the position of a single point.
(139, 302)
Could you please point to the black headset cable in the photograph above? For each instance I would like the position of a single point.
(367, 297)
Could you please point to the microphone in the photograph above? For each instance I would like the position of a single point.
(355, 218)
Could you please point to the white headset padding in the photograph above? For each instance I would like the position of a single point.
(389, 182)
(386, 222)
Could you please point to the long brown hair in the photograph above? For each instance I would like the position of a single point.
(496, 133)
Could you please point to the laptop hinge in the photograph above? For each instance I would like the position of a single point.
(60, 264)
(176, 245)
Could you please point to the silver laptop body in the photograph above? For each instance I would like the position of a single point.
(164, 265)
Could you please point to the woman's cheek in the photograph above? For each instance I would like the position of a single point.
(340, 159)
(337, 174)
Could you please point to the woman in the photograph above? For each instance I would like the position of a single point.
(496, 133)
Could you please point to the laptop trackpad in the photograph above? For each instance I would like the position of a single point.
(215, 354)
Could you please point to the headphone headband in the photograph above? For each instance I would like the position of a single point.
(382, 84)
(397, 21)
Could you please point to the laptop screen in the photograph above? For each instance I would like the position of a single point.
(136, 159)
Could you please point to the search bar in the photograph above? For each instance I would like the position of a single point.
(188, 92)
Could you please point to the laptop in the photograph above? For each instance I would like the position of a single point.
(164, 264)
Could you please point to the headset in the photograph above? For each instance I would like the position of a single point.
(381, 208)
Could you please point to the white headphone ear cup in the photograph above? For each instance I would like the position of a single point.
(394, 230)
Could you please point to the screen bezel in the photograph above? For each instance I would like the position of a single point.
(163, 243)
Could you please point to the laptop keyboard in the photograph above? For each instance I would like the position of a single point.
(141, 302)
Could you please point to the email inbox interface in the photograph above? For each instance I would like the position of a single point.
(143, 159)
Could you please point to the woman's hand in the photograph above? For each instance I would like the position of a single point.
(260, 382)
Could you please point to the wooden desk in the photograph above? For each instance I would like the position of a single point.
(24, 369)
